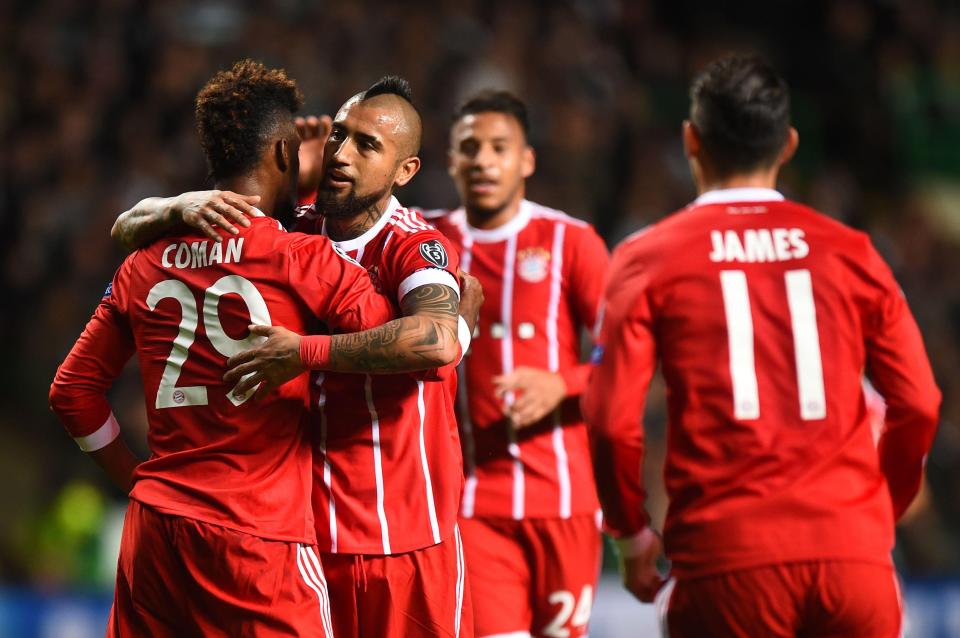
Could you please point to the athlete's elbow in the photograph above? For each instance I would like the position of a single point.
(445, 354)
(58, 397)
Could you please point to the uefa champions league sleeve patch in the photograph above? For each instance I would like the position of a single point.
(109, 291)
(433, 252)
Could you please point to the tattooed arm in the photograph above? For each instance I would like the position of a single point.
(154, 217)
(425, 338)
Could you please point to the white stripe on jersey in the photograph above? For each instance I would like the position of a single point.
(377, 465)
(431, 507)
(327, 478)
(460, 581)
(466, 425)
(553, 358)
(506, 352)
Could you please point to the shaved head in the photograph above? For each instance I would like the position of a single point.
(397, 116)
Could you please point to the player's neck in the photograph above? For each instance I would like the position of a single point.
(346, 228)
(250, 185)
(485, 220)
(757, 179)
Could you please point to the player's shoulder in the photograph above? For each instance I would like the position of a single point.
(409, 226)
(540, 212)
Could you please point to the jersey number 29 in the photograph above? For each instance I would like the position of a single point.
(168, 394)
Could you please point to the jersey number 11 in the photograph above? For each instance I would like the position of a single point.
(806, 345)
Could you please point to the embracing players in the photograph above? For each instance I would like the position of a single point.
(764, 315)
(387, 465)
(219, 537)
(529, 515)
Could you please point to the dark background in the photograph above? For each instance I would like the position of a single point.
(96, 112)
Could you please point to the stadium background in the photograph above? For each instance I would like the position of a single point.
(96, 112)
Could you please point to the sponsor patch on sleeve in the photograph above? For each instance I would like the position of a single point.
(434, 253)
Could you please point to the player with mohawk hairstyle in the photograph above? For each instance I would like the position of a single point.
(387, 467)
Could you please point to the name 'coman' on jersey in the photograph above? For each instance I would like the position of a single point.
(764, 315)
(184, 303)
(542, 275)
(387, 469)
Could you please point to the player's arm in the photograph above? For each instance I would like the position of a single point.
(540, 391)
(625, 358)
(429, 335)
(154, 217)
(898, 367)
(78, 393)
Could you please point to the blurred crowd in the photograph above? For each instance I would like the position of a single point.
(96, 113)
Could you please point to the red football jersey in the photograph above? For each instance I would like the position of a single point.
(387, 469)
(184, 304)
(764, 315)
(542, 275)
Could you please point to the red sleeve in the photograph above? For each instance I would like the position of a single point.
(624, 358)
(898, 366)
(336, 288)
(588, 262)
(78, 394)
(424, 257)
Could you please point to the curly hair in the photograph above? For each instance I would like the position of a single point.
(238, 111)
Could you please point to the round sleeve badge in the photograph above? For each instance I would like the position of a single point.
(433, 252)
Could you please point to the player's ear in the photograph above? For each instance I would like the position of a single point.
(691, 139)
(282, 155)
(528, 161)
(789, 147)
(407, 169)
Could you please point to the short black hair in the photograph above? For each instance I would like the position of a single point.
(390, 85)
(238, 111)
(740, 108)
(495, 101)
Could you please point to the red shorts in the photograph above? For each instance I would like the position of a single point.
(180, 577)
(534, 576)
(825, 598)
(419, 593)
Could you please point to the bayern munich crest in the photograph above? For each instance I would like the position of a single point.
(533, 264)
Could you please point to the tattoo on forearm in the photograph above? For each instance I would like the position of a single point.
(418, 341)
(141, 224)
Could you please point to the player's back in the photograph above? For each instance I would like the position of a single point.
(217, 457)
(761, 310)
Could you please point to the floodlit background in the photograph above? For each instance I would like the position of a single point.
(96, 113)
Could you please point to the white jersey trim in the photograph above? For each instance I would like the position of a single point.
(460, 581)
(377, 465)
(102, 437)
(517, 223)
(327, 472)
(553, 363)
(736, 195)
(431, 506)
(426, 276)
(506, 352)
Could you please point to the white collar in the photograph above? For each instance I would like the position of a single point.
(736, 195)
(513, 226)
(257, 212)
(359, 242)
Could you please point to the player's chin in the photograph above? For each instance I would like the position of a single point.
(489, 203)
